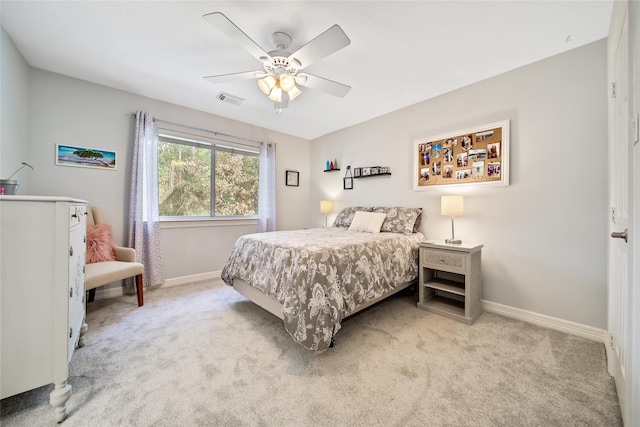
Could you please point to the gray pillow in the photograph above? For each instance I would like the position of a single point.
(399, 220)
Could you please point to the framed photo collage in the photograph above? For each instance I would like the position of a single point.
(477, 155)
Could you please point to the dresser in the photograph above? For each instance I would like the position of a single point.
(42, 256)
(450, 280)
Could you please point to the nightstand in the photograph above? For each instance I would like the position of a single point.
(450, 280)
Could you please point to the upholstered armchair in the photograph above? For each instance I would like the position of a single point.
(106, 262)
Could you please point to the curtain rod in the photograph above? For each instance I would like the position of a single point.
(205, 130)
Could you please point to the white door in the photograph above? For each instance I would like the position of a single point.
(620, 309)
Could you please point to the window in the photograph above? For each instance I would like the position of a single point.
(204, 179)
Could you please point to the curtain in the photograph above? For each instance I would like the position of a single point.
(267, 188)
(144, 225)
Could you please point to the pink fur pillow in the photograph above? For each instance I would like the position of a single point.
(99, 243)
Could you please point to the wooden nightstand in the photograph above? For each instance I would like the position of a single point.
(450, 280)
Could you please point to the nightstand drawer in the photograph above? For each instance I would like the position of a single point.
(448, 259)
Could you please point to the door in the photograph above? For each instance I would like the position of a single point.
(620, 309)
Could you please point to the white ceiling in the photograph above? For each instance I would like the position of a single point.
(401, 52)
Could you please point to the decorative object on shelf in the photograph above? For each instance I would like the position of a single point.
(9, 186)
(348, 179)
(292, 178)
(478, 155)
(452, 206)
(332, 166)
(326, 207)
(67, 155)
(369, 171)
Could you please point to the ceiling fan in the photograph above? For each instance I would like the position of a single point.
(281, 71)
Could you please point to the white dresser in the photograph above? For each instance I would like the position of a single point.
(42, 257)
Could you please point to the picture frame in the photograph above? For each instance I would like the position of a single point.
(292, 178)
(348, 183)
(474, 156)
(83, 157)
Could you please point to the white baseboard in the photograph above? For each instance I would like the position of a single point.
(107, 292)
(572, 328)
(177, 281)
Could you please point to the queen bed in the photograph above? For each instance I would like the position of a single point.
(315, 278)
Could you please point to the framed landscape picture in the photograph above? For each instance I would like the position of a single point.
(69, 155)
(473, 156)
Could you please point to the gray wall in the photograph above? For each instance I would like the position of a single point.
(65, 110)
(14, 111)
(545, 235)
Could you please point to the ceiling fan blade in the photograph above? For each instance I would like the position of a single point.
(230, 30)
(325, 85)
(223, 78)
(325, 44)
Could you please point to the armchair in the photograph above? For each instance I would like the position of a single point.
(105, 272)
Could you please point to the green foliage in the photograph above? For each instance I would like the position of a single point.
(184, 181)
(24, 164)
(236, 181)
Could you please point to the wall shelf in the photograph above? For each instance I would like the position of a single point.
(371, 176)
(331, 170)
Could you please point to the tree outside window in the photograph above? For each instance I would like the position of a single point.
(198, 179)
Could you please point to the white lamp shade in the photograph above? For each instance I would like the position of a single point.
(293, 93)
(452, 205)
(287, 82)
(276, 94)
(326, 206)
(267, 84)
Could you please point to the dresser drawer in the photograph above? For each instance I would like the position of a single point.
(450, 260)
(77, 214)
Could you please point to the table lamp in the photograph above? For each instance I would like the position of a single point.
(326, 207)
(452, 206)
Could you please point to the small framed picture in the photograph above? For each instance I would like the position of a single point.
(292, 178)
(348, 183)
(366, 171)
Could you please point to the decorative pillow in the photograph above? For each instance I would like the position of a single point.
(99, 243)
(345, 216)
(367, 221)
(416, 225)
(400, 220)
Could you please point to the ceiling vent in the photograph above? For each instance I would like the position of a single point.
(222, 96)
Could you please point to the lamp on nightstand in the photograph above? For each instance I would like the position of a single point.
(452, 206)
(326, 207)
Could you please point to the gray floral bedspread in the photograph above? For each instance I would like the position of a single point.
(322, 274)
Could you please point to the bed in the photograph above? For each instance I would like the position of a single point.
(315, 278)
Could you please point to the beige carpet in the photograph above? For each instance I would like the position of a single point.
(202, 355)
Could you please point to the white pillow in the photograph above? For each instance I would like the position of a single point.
(371, 222)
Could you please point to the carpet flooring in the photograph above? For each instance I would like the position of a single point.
(203, 355)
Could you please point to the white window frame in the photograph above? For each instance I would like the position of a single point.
(198, 139)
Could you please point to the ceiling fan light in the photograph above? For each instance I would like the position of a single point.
(293, 93)
(287, 82)
(276, 94)
(267, 84)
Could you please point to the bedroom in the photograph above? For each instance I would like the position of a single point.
(540, 258)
